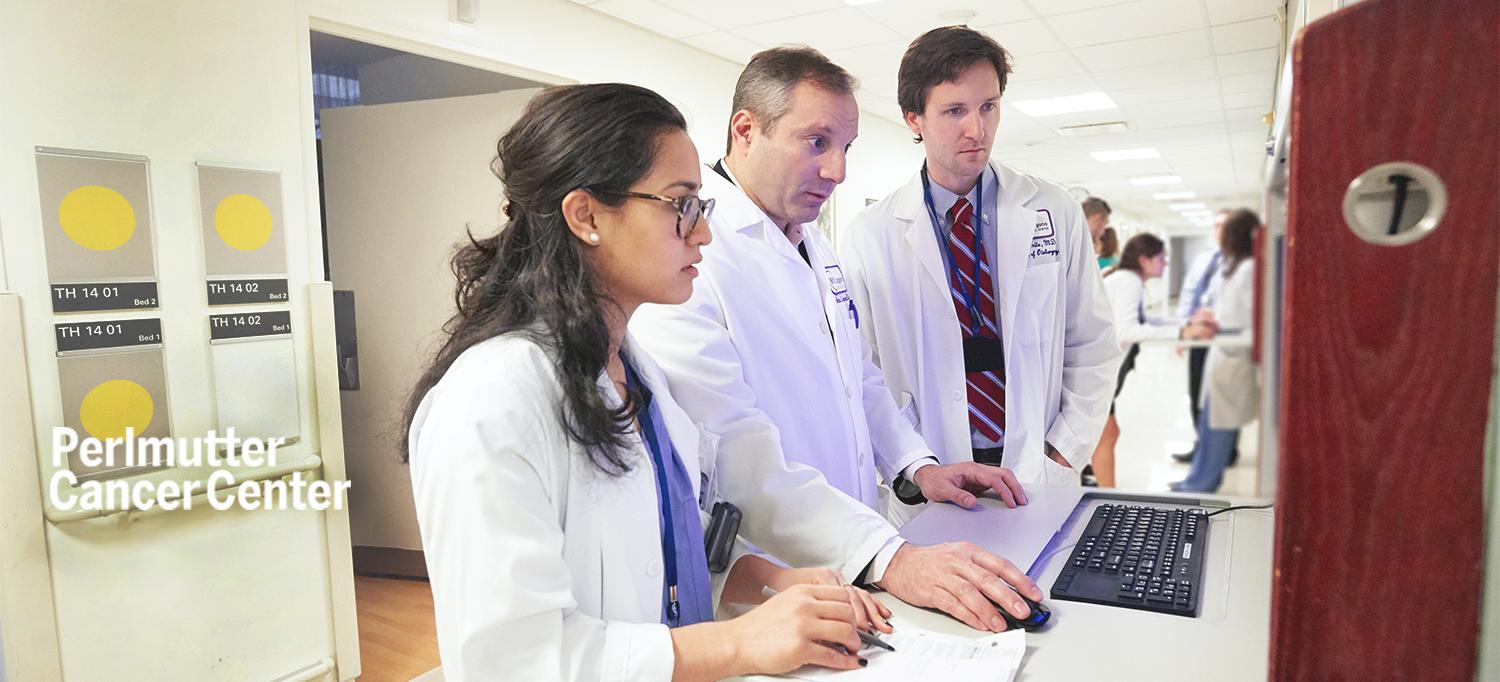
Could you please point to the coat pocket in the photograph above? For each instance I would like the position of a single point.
(1036, 311)
(906, 403)
(1057, 474)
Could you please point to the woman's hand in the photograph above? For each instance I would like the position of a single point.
(869, 613)
(800, 626)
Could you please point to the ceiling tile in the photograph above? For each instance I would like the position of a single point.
(726, 45)
(1248, 139)
(1248, 82)
(875, 66)
(911, 18)
(1173, 47)
(1051, 7)
(654, 17)
(854, 29)
(737, 14)
(1173, 119)
(1247, 62)
(1166, 93)
(1155, 74)
(1024, 37)
(1044, 65)
(1123, 22)
(1248, 114)
(1246, 35)
(1262, 98)
(1196, 104)
(1061, 86)
(1230, 11)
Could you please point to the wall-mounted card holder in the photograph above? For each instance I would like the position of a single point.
(255, 374)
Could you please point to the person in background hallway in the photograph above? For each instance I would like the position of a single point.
(556, 479)
(1144, 259)
(1200, 288)
(976, 285)
(1096, 213)
(766, 357)
(1230, 389)
(1108, 248)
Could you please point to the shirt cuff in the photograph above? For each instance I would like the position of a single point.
(912, 468)
(882, 560)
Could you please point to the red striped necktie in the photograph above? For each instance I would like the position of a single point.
(986, 390)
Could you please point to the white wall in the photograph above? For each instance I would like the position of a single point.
(402, 182)
(215, 595)
(570, 43)
(189, 595)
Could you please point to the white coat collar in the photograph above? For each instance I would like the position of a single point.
(1014, 223)
(680, 429)
(734, 210)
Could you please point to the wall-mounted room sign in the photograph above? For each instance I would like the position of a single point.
(244, 237)
(96, 226)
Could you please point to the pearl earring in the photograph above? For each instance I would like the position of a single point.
(594, 237)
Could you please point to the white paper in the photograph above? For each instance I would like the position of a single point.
(926, 655)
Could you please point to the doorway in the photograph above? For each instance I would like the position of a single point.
(404, 146)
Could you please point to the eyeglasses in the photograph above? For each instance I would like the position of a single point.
(689, 208)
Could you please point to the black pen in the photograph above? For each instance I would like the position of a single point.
(867, 637)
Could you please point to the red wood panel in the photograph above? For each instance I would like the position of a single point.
(1388, 350)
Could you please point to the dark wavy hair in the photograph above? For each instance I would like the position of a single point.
(531, 277)
(1237, 242)
(941, 55)
(1144, 244)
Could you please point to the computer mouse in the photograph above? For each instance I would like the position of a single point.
(1039, 616)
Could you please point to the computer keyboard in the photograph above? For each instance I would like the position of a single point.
(1138, 557)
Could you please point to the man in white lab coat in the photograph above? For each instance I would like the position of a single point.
(1009, 357)
(765, 357)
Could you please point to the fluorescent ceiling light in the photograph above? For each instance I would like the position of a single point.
(1054, 106)
(1126, 154)
(1164, 196)
(1186, 207)
(1092, 129)
(1198, 214)
(1147, 180)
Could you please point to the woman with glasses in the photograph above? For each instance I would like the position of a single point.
(556, 480)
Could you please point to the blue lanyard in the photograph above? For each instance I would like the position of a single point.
(970, 296)
(663, 496)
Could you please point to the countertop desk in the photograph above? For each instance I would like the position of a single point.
(1228, 640)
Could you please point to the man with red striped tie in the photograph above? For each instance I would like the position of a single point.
(977, 285)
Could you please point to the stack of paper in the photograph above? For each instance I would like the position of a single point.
(926, 655)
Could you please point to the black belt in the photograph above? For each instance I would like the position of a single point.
(990, 456)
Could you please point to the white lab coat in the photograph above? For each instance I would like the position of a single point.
(1060, 350)
(1126, 292)
(751, 360)
(542, 567)
(1230, 385)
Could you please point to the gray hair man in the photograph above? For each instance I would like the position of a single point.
(766, 356)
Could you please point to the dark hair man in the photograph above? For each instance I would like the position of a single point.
(977, 285)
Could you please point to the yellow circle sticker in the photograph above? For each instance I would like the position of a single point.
(96, 218)
(114, 405)
(243, 222)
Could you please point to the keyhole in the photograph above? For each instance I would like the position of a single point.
(1395, 203)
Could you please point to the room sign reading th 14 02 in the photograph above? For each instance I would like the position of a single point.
(249, 325)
